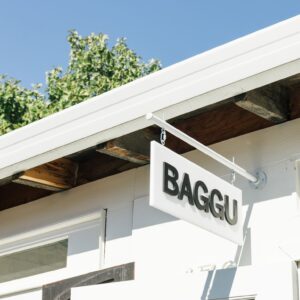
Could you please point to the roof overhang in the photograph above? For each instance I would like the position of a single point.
(245, 64)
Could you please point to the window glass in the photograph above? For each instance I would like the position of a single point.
(34, 261)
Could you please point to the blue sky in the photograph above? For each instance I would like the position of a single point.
(33, 32)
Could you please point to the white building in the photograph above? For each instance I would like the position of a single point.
(75, 186)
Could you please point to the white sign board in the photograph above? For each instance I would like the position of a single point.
(191, 193)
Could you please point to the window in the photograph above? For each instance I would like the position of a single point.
(51, 253)
(33, 261)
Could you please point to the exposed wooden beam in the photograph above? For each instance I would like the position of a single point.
(208, 127)
(270, 103)
(99, 165)
(295, 102)
(7, 180)
(215, 126)
(57, 175)
(13, 194)
(134, 147)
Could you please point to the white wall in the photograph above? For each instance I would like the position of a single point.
(160, 243)
(268, 282)
(271, 214)
(67, 206)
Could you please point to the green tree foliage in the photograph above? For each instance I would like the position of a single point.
(19, 106)
(94, 68)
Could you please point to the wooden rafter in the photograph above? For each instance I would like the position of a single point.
(134, 147)
(270, 102)
(209, 127)
(214, 126)
(57, 175)
(295, 102)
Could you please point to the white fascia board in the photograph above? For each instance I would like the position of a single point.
(244, 64)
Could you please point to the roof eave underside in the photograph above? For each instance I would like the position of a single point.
(253, 61)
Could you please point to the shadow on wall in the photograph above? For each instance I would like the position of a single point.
(243, 257)
(145, 216)
(219, 281)
(281, 183)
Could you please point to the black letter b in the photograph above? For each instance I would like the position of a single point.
(170, 178)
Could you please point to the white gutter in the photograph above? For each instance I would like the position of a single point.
(239, 66)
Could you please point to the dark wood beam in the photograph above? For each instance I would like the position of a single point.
(57, 175)
(295, 102)
(270, 102)
(211, 127)
(99, 165)
(134, 147)
(14, 194)
(208, 127)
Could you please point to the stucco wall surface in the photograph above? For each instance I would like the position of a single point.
(163, 246)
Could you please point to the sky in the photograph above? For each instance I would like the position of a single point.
(33, 32)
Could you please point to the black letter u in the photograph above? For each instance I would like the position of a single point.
(234, 219)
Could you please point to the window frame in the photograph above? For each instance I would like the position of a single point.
(21, 251)
(47, 235)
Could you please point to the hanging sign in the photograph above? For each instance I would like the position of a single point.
(191, 193)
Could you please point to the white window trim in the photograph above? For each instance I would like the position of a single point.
(238, 298)
(47, 235)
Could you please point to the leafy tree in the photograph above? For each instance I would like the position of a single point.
(19, 106)
(94, 68)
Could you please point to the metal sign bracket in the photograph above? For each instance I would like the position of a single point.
(257, 181)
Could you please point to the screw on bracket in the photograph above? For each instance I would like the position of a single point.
(261, 180)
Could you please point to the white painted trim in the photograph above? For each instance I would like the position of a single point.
(243, 298)
(102, 238)
(247, 63)
(22, 245)
(246, 297)
(48, 233)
